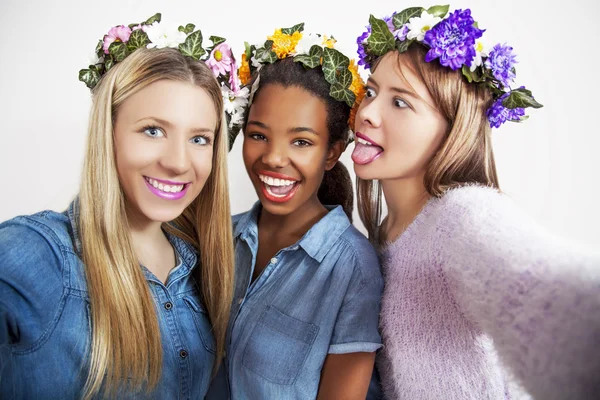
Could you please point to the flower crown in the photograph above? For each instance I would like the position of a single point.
(121, 41)
(312, 50)
(455, 40)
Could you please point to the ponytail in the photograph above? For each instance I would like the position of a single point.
(336, 188)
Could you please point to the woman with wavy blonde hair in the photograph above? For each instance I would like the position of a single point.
(127, 293)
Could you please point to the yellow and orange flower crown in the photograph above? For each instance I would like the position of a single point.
(312, 50)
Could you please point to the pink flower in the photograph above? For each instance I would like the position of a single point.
(119, 33)
(220, 60)
(234, 83)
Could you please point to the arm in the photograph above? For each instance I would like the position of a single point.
(537, 298)
(346, 376)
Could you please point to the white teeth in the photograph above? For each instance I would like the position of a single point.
(363, 141)
(160, 186)
(275, 181)
(165, 188)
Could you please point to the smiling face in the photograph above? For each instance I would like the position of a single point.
(398, 128)
(164, 138)
(286, 150)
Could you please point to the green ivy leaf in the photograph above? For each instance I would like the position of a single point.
(520, 98)
(109, 62)
(438, 11)
(155, 18)
(137, 40)
(381, 40)
(248, 50)
(345, 77)
(265, 54)
(473, 76)
(118, 50)
(404, 45)
(268, 45)
(232, 132)
(189, 28)
(295, 28)
(403, 16)
(192, 47)
(100, 48)
(312, 59)
(217, 40)
(89, 77)
(341, 93)
(333, 62)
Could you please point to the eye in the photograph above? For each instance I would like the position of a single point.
(153, 131)
(200, 140)
(398, 102)
(257, 136)
(370, 92)
(302, 143)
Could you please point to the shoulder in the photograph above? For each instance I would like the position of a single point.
(357, 252)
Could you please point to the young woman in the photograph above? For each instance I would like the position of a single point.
(475, 293)
(127, 293)
(304, 317)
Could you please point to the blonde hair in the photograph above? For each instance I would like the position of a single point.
(465, 156)
(126, 343)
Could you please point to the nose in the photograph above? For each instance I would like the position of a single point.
(275, 155)
(369, 114)
(176, 158)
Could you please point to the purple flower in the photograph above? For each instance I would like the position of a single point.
(390, 22)
(502, 61)
(498, 114)
(453, 40)
(361, 42)
(401, 33)
(119, 33)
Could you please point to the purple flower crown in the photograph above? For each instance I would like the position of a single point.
(456, 41)
(122, 40)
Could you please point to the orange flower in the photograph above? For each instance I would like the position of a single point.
(328, 42)
(244, 71)
(284, 44)
(358, 88)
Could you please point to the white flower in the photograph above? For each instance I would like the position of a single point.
(162, 36)
(235, 105)
(308, 41)
(418, 26)
(481, 50)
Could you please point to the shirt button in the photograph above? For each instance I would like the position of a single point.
(241, 299)
(168, 305)
(183, 353)
(273, 260)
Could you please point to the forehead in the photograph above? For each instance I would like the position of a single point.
(288, 107)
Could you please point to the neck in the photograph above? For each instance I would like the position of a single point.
(144, 233)
(294, 224)
(405, 199)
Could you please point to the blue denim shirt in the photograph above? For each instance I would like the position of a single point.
(45, 315)
(316, 297)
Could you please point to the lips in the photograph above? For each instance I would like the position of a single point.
(277, 187)
(365, 150)
(167, 190)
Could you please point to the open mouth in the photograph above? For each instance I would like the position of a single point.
(365, 150)
(279, 189)
(166, 189)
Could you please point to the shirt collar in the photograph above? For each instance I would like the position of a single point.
(316, 242)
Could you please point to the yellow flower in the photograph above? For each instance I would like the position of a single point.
(244, 71)
(328, 42)
(284, 44)
(358, 88)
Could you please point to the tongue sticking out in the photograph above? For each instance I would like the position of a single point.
(364, 154)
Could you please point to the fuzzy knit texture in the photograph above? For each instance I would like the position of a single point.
(481, 303)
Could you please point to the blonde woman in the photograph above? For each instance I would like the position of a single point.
(127, 293)
(478, 301)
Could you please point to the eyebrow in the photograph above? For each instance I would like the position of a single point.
(297, 129)
(167, 124)
(396, 89)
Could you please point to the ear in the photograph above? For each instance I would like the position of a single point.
(334, 153)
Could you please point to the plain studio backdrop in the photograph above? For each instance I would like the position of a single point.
(548, 164)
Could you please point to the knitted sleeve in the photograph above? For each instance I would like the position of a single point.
(537, 297)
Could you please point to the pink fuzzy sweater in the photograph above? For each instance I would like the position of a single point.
(480, 303)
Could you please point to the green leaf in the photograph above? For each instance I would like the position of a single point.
(341, 93)
(265, 54)
(192, 47)
(100, 48)
(312, 59)
(520, 98)
(381, 39)
(217, 40)
(137, 40)
(118, 50)
(472, 76)
(345, 77)
(89, 77)
(333, 62)
(268, 45)
(109, 62)
(438, 11)
(404, 45)
(248, 50)
(233, 132)
(295, 28)
(155, 18)
(189, 28)
(403, 16)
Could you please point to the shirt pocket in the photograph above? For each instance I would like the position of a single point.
(279, 346)
(202, 323)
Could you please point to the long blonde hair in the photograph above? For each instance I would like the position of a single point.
(465, 156)
(126, 343)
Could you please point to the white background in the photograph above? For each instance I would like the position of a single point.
(548, 164)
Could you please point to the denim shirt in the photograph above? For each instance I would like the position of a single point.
(316, 297)
(45, 331)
